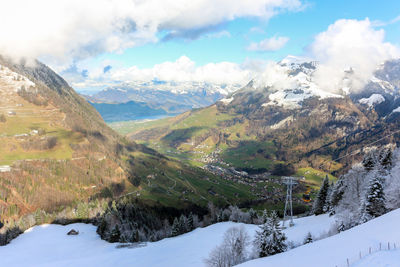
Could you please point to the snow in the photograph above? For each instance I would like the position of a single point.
(227, 100)
(334, 251)
(282, 123)
(396, 110)
(13, 80)
(48, 245)
(380, 259)
(372, 100)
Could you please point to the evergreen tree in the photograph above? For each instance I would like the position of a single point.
(182, 224)
(253, 215)
(374, 205)
(190, 223)
(115, 234)
(175, 227)
(321, 200)
(270, 239)
(264, 216)
(337, 192)
(308, 239)
(369, 161)
(385, 158)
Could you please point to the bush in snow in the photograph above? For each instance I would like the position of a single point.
(308, 239)
(232, 251)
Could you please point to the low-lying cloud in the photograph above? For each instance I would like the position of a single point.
(352, 45)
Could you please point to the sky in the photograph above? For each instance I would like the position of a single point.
(95, 44)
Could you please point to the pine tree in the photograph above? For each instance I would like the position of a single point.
(321, 200)
(385, 158)
(182, 224)
(190, 224)
(115, 234)
(374, 205)
(337, 192)
(175, 227)
(369, 161)
(308, 239)
(253, 215)
(270, 239)
(264, 216)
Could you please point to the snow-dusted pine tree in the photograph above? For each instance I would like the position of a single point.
(374, 205)
(369, 160)
(190, 223)
(175, 227)
(386, 157)
(182, 224)
(270, 239)
(320, 201)
(337, 193)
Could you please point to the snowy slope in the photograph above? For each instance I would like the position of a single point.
(48, 245)
(334, 251)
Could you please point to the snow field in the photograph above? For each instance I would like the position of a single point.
(48, 245)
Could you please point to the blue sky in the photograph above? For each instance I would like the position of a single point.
(300, 27)
(98, 43)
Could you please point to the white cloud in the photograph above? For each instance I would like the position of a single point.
(270, 44)
(65, 29)
(346, 44)
(182, 70)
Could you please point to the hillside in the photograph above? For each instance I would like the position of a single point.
(335, 250)
(59, 155)
(265, 124)
(47, 245)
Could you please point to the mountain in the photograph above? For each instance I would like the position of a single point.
(171, 97)
(292, 121)
(60, 162)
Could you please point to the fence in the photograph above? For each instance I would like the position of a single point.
(366, 252)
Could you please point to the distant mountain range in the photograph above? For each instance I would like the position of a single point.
(133, 100)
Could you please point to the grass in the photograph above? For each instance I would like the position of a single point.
(172, 183)
(12, 149)
(314, 177)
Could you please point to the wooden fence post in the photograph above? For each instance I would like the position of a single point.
(369, 250)
(348, 263)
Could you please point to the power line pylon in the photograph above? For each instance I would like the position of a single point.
(288, 212)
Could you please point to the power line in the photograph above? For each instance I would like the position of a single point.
(360, 150)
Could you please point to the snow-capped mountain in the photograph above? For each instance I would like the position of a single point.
(291, 81)
(174, 97)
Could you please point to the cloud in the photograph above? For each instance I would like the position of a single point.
(270, 44)
(349, 45)
(182, 70)
(67, 30)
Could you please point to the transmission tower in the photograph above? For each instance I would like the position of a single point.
(288, 213)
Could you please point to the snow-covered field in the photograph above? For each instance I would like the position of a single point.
(48, 245)
(335, 250)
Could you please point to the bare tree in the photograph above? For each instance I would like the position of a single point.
(232, 251)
